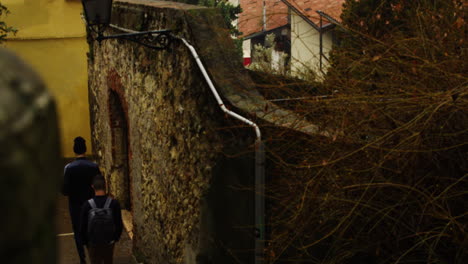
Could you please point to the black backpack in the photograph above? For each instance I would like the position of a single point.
(101, 227)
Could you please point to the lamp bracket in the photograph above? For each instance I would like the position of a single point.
(154, 39)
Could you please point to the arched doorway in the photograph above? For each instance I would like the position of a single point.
(120, 184)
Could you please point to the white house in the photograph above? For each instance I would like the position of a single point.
(303, 30)
(312, 23)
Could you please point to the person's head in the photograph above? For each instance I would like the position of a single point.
(99, 183)
(79, 145)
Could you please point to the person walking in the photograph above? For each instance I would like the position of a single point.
(101, 224)
(78, 175)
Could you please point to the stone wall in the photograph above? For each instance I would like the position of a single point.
(183, 167)
(176, 140)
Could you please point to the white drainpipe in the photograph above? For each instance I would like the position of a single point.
(264, 18)
(259, 162)
(208, 80)
(216, 94)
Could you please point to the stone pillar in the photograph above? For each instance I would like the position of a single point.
(30, 165)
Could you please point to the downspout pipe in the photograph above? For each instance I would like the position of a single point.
(321, 42)
(216, 94)
(264, 20)
(260, 232)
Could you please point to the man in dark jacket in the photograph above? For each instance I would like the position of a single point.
(100, 250)
(77, 186)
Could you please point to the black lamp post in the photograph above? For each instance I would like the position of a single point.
(98, 14)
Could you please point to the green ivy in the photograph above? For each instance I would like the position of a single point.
(229, 13)
(5, 30)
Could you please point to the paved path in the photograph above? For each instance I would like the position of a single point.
(66, 244)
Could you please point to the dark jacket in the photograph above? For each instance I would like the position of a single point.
(116, 214)
(78, 176)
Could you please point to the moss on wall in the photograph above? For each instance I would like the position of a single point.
(176, 136)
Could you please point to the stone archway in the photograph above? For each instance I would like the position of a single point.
(120, 183)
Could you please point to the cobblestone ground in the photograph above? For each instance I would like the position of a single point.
(66, 245)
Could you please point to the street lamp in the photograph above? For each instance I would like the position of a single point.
(98, 14)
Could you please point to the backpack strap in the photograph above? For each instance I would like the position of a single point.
(92, 203)
(108, 202)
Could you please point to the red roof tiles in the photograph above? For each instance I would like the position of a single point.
(309, 8)
(251, 19)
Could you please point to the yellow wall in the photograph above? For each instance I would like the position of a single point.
(305, 47)
(51, 38)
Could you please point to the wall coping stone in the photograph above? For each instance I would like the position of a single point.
(162, 4)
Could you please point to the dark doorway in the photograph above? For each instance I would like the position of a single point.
(120, 181)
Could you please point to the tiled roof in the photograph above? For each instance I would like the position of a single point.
(251, 19)
(309, 8)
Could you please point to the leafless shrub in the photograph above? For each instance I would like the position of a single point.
(394, 187)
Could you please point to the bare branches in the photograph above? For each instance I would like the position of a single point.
(393, 188)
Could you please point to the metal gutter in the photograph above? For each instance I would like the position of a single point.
(331, 19)
(319, 28)
(299, 13)
(260, 33)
